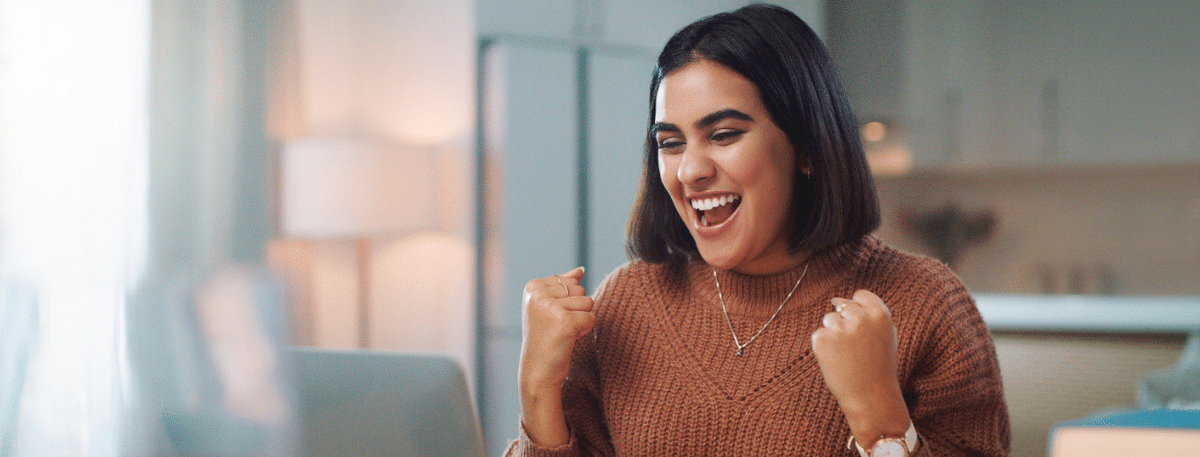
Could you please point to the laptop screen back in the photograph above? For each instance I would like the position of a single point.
(377, 403)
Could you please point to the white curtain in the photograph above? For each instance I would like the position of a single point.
(73, 178)
(134, 162)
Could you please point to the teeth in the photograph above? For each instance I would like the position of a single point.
(710, 203)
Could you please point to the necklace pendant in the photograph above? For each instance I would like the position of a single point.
(741, 347)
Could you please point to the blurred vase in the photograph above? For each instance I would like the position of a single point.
(1177, 387)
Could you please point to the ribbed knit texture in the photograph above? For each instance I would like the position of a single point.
(659, 374)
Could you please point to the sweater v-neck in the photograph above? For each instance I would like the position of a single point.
(693, 326)
(754, 296)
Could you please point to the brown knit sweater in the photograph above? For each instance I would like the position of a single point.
(658, 375)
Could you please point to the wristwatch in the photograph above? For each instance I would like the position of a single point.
(892, 446)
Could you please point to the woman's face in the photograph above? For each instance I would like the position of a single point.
(727, 167)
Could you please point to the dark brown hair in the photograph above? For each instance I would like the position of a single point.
(795, 77)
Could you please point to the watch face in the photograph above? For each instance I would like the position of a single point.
(888, 448)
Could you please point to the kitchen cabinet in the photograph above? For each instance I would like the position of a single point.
(530, 162)
(541, 18)
(619, 88)
(980, 84)
(649, 23)
(638, 23)
(1106, 83)
(923, 69)
(948, 97)
(563, 125)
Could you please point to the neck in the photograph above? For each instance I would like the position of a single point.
(756, 294)
(773, 265)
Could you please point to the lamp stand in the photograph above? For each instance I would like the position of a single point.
(363, 247)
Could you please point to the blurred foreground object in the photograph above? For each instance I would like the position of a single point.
(1151, 433)
(213, 381)
(18, 332)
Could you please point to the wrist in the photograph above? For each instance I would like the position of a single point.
(543, 419)
(539, 387)
(882, 416)
(877, 414)
(540, 394)
(535, 377)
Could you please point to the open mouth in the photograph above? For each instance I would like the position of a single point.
(715, 210)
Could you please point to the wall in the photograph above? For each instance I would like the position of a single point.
(1065, 230)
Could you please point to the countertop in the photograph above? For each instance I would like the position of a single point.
(1084, 314)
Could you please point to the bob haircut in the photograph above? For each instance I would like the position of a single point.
(795, 77)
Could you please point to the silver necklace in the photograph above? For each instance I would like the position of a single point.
(740, 346)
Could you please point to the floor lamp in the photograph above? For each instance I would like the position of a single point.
(342, 188)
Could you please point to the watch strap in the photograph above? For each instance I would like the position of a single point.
(910, 441)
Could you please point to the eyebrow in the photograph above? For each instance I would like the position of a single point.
(710, 119)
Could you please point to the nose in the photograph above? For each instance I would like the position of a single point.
(695, 167)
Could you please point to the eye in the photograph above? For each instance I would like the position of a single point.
(670, 145)
(724, 136)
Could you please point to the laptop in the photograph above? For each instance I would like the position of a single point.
(380, 403)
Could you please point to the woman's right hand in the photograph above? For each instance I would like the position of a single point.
(556, 311)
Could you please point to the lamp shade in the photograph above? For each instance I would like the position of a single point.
(342, 187)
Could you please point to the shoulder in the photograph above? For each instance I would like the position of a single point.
(881, 257)
(921, 291)
(639, 275)
(638, 286)
(935, 315)
(629, 296)
(910, 276)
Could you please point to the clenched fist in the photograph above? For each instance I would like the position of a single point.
(856, 350)
(556, 311)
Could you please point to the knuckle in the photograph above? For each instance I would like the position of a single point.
(535, 300)
(558, 312)
(584, 324)
(818, 340)
(532, 286)
(829, 320)
(880, 313)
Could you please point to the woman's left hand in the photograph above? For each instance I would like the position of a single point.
(856, 350)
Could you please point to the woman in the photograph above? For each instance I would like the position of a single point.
(758, 316)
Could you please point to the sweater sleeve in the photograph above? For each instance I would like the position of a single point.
(955, 396)
(581, 398)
